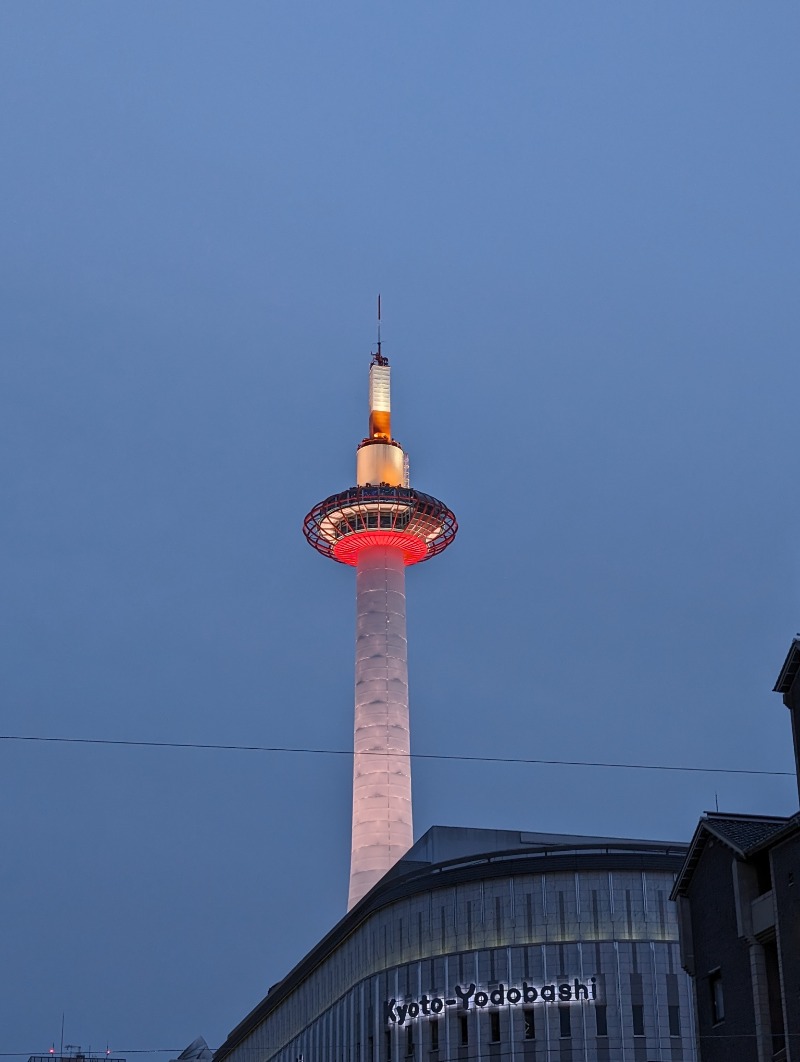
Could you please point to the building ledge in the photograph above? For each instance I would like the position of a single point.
(763, 915)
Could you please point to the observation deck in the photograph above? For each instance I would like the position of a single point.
(417, 524)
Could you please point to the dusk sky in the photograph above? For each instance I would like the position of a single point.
(583, 220)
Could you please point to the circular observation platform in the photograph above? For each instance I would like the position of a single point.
(417, 524)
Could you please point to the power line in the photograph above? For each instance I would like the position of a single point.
(440, 756)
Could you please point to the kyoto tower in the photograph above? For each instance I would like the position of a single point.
(379, 527)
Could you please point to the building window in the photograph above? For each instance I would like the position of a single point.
(601, 1018)
(530, 1024)
(674, 1019)
(388, 1045)
(464, 1029)
(564, 1018)
(637, 1010)
(717, 999)
(763, 873)
(494, 1027)
(435, 1034)
(410, 1040)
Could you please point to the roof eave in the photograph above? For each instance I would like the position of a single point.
(705, 829)
(791, 666)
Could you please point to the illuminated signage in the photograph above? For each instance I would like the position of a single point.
(470, 998)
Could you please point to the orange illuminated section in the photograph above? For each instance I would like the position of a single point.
(380, 425)
(380, 401)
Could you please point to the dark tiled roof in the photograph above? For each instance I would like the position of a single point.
(743, 832)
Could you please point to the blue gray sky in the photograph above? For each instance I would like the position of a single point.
(583, 220)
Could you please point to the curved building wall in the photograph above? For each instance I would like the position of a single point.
(360, 998)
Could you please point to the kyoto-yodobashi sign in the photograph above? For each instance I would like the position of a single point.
(470, 997)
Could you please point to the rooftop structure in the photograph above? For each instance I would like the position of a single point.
(76, 1055)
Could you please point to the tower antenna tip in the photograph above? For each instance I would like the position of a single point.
(378, 358)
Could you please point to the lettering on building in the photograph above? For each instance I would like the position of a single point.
(470, 997)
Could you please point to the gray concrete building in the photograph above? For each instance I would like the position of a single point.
(492, 945)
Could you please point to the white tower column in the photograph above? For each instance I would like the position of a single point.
(382, 826)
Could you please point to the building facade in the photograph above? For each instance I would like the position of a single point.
(738, 895)
(492, 945)
(740, 936)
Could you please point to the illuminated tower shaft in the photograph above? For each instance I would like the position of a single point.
(382, 825)
(380, 527)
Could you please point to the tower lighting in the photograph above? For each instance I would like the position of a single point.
(379, 527)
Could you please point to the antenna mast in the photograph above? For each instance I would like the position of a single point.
(378, 358)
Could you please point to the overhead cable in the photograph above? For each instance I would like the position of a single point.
(439, 756)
